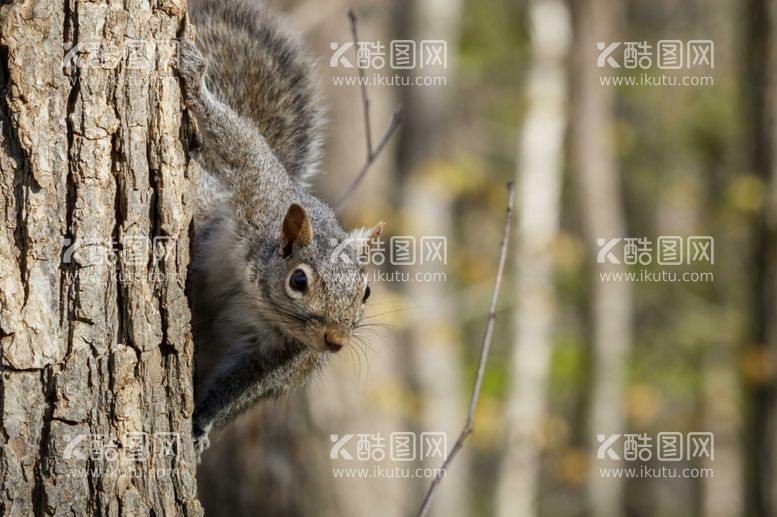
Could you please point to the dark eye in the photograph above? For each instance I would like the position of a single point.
(298, 281)
(366, 294)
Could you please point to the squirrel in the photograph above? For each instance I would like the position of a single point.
(277, 284)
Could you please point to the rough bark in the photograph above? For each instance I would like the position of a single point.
(94, 320)
(539, 180)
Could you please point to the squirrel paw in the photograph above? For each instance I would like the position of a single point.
(191, 66)
(201, 441)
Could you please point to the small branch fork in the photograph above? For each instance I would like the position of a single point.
(485, 348)
(396, 119)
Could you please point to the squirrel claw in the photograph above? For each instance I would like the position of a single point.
(201, 442)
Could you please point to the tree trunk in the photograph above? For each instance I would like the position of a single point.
(428, 209)
(761, 349)
(539, 180)
(96, 201)
(593, 142)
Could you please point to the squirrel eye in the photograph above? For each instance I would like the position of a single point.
(298, 280)
(366, 294)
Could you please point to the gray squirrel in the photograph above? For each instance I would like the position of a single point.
(278, 285)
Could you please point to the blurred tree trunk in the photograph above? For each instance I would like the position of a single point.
(95, 344)
(761, 383)
(722, 493)
(427, 206)
(274, 462)
(597, 180)
(540, 167)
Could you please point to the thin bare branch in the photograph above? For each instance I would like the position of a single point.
(485, 348)
(362, 84)
(396, 119)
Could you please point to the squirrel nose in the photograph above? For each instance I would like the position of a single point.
(336, 339)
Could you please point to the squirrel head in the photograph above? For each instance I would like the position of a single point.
(316, 283)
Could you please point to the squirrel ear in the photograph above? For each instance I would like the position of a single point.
(373, 234)
(296, 229)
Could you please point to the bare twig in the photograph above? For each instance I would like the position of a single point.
(362, 84)
(468, 425)
(396, 119)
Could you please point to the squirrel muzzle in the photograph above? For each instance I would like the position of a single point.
(336, 339)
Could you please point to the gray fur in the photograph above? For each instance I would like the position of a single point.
(266, 341)
(258, 67)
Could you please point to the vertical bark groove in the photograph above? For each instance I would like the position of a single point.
(94, 333)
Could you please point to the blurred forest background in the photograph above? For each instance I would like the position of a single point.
(573, 356)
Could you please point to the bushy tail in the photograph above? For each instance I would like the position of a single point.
(258, 67)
